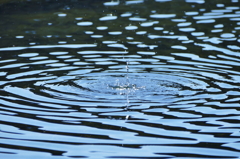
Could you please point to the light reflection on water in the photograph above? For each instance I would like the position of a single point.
(66, 90)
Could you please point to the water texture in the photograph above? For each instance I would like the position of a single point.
(120, 79)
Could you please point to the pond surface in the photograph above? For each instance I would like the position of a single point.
(120, 79)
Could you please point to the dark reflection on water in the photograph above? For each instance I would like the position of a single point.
(120, 79)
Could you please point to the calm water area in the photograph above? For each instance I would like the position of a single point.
(120, 79)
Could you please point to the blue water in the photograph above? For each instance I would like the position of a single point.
(120, 79)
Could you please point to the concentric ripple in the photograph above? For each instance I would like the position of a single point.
(136, 84)
(120, 79)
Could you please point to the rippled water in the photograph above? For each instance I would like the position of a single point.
(120, 79)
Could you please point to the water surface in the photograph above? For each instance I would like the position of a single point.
(120, 79)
